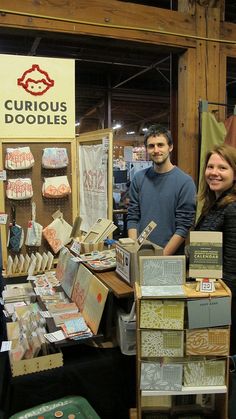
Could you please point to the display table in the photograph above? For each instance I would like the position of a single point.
(119, 287)
(104, 377)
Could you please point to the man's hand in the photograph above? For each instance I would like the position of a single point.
(132, 233)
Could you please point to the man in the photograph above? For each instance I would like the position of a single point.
(162, 193)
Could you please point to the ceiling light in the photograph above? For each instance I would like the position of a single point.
(116, 126)
(77, 124)
(130, 132)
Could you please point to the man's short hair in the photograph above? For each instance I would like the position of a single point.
(155, 130)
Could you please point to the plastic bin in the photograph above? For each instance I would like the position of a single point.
(74, 407)
(126, 334)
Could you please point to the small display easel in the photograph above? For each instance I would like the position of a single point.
(205, 284)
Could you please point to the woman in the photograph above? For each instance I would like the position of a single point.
(219, 213)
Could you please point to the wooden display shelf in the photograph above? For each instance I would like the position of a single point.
(187, 390)
(221, 290)
(133, 414)
(220, 392)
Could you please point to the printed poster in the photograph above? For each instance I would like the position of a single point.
(93, 201)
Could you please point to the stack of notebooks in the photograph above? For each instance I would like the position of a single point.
(48, 279)
(76, 329)
(100, 261)
(17, 292)
(50, 296)
(62, 308)
(67, 316)
(12, 309)
(60, 319)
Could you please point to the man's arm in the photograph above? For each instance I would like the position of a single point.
(185, 210)
(133, 216)
(184, 218)
(173, 244)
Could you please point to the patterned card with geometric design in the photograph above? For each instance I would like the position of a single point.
(156, 314)
(156, 376)
(156, 343)
(162, 270)
(207, 342)
(204, 373)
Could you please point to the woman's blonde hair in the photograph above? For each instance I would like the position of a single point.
(227, 153)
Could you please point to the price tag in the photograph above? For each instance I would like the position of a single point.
(55, 337)
(105, 143)
(207, 285)
(45, 314)
(76, 246)
(3, 175)
(6, 346)
(3, 218)
(31, 278)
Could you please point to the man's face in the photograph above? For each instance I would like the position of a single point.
(158, 149)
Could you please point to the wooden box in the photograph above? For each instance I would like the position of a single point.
(41, 363)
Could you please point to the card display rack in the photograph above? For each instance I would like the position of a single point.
(45, 207)
(182, 369)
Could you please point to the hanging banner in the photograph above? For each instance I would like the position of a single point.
(93, 184)
(37, 97)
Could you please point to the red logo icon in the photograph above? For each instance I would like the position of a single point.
(99, 298)
(35, 81)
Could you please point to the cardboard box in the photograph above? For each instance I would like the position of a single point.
(91, 247)
(86, 247)
(127, 259)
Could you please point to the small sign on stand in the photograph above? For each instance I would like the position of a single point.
(205, 284)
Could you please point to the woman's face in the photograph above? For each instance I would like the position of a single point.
(219, 174)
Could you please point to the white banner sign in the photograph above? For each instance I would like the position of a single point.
(37, 97)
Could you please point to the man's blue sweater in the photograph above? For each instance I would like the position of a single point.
(168, 198)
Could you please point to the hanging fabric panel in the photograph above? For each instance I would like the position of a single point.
(230, 124)
(93, 184)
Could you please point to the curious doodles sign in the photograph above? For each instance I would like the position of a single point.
(37, 97)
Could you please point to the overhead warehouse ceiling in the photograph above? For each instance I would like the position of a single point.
(116, 81)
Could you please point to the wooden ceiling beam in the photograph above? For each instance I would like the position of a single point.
(112, 19)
